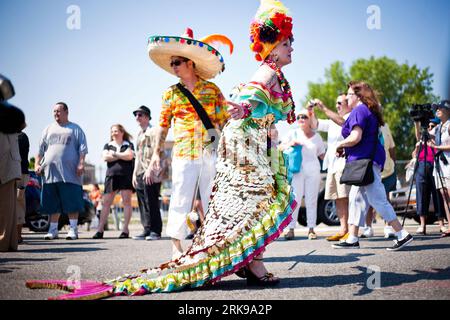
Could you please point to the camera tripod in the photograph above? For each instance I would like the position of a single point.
(425, 137)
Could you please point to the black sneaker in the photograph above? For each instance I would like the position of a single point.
(399, 244)
(346, 245)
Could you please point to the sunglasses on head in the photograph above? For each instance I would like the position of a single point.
(176, 63)
(303, 117)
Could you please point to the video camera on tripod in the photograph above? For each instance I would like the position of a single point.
(423, 113)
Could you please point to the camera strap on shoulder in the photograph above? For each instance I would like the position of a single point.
(438, 135)
(201, 113)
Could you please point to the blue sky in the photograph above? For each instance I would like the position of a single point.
(103, 71)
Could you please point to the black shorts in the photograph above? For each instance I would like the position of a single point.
(117, 183)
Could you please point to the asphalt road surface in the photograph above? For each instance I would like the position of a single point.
(309, 269)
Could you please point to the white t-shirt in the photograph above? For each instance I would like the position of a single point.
(312, 148)
(331, 162)
(445, 141)
(60, 148)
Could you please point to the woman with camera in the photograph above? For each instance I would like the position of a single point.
(361, 133)
(441, 143)
(425, 184)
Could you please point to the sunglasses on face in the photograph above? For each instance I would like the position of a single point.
(303, 117)
(176, 63)
(139, 115)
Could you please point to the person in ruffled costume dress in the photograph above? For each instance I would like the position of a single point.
(251, 201)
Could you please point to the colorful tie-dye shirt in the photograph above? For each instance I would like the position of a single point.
(190, 135)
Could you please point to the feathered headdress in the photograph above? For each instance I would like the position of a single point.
(270, 26)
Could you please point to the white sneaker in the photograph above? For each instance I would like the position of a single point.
(72, 234)
(368, 232)
(389, 232)
(51, 235)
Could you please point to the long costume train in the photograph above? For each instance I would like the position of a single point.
(250, 205)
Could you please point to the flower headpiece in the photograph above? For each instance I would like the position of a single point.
(270, 26)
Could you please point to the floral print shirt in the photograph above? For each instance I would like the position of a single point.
(190, 135)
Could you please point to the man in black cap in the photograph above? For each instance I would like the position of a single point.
(441, 144)
(147, 182)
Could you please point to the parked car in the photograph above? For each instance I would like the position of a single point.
(326, 211)
(399, 201)
(40, 222)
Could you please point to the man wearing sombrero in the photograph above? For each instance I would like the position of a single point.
(194, 159)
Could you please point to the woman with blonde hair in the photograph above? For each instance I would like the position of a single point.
(119, 156)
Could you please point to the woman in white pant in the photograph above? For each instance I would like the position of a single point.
(307, 181)
(361, 131)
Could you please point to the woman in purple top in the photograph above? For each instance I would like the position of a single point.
(361, 131)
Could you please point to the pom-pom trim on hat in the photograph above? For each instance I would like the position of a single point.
(187, 41)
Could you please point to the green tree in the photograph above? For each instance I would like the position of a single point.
(31, 163)
(398, 85)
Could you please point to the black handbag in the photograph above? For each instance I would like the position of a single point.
(359, 172)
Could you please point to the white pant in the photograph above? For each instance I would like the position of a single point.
(361, 198)
(306, 183)
(184, 178)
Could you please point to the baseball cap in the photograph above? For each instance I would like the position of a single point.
(444, 104)
(142, 109)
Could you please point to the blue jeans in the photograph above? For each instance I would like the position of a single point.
(425, 189)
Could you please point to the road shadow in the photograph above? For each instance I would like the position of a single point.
(416, 237)
(415, 246)
(319, 259)
(4, 268)
(387, 279)
(32, 260)
(62, 250)
(296, 238)
(40, 242)
(8, 270)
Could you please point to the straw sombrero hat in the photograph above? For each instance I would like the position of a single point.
(208, 61)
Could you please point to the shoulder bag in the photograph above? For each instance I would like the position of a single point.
(359, 172)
